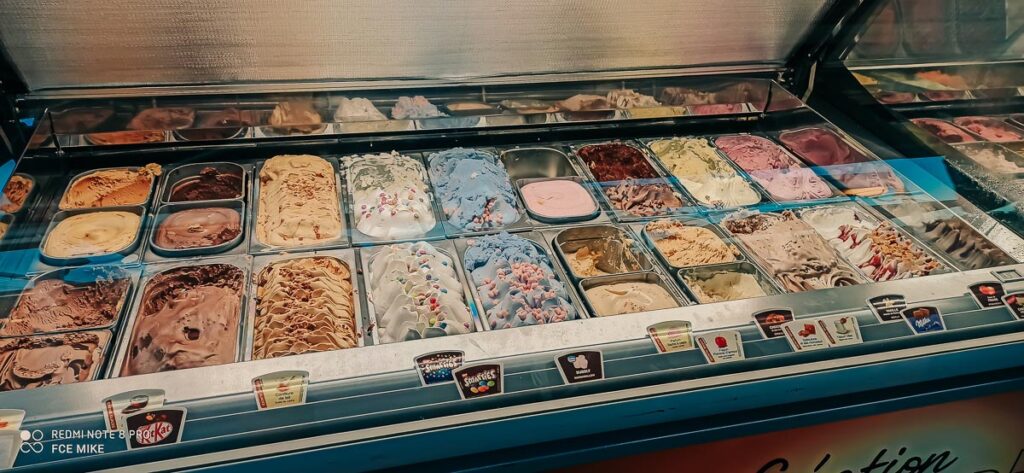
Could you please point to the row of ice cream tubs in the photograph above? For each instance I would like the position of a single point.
(130, 215)
(361, 115)
(995, 142)
(77, 324)
(935, 85)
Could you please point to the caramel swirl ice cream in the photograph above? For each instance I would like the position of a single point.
(111, 187)
(304, 305)
(298, 202)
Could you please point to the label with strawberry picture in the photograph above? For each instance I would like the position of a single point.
(721, 347)
(924, 319)
(840, 330)
(1015, 302)
(804, 335)
(480, 380)
(988, 293)
(770, 321)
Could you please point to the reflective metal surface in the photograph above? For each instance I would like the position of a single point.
(94, 43)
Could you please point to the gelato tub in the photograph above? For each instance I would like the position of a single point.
(994, 158)
(205, 181)
(726, 282)
(51, 360)
(708, 177)
(944, 130)
(68, 300)
(990, 129)
(855, 172)
(91, 236)
(198, 228)
(629, 180)
(304, 304)
(298, 204)
(791, 251)
(515, 282)
(628, 294)
(389, 197)
(684, 244)
(17, 192)
(600, 250)
(779, 173)
(111, 187)
(416, 290)
(556, 201)
(186, 316)
(473, 189)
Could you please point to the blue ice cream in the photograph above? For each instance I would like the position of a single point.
(516, 283)
(473, 188)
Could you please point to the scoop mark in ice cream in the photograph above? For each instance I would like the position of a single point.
(416, 293)
(298, 202)
(50, 360)
(725, 286)
(111, 187)
(189, 317)
(304, 305)
(628, 298)
(93, 233)
(53, 305)
(200, 227)
(516, 282)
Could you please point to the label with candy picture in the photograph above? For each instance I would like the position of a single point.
(437, 367)
(156, 427)
(116, 407)
(924, 319)
(480, 380)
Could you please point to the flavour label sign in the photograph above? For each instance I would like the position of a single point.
(988, 293)
(156, 427)
(280, 389)
(924, 319)
(671, 335)
(1015, 302)
(840, 330)
(804, 335)
(581, 366)
(887, 308)
(479, 380)
(721, 347)
(437, 367)
(116, 407)
(770, 321)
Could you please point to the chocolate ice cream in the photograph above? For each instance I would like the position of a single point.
(50, 360)
(198, 228)
(16, 193)
(188, 317)
(53, 305)
(210, 184)
(163, 118)
(611, 162)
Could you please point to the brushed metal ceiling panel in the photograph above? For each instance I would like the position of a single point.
(93, 43)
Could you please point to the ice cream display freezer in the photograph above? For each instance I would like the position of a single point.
(276, 276)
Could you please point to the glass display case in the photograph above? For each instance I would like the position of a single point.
(198, 278)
